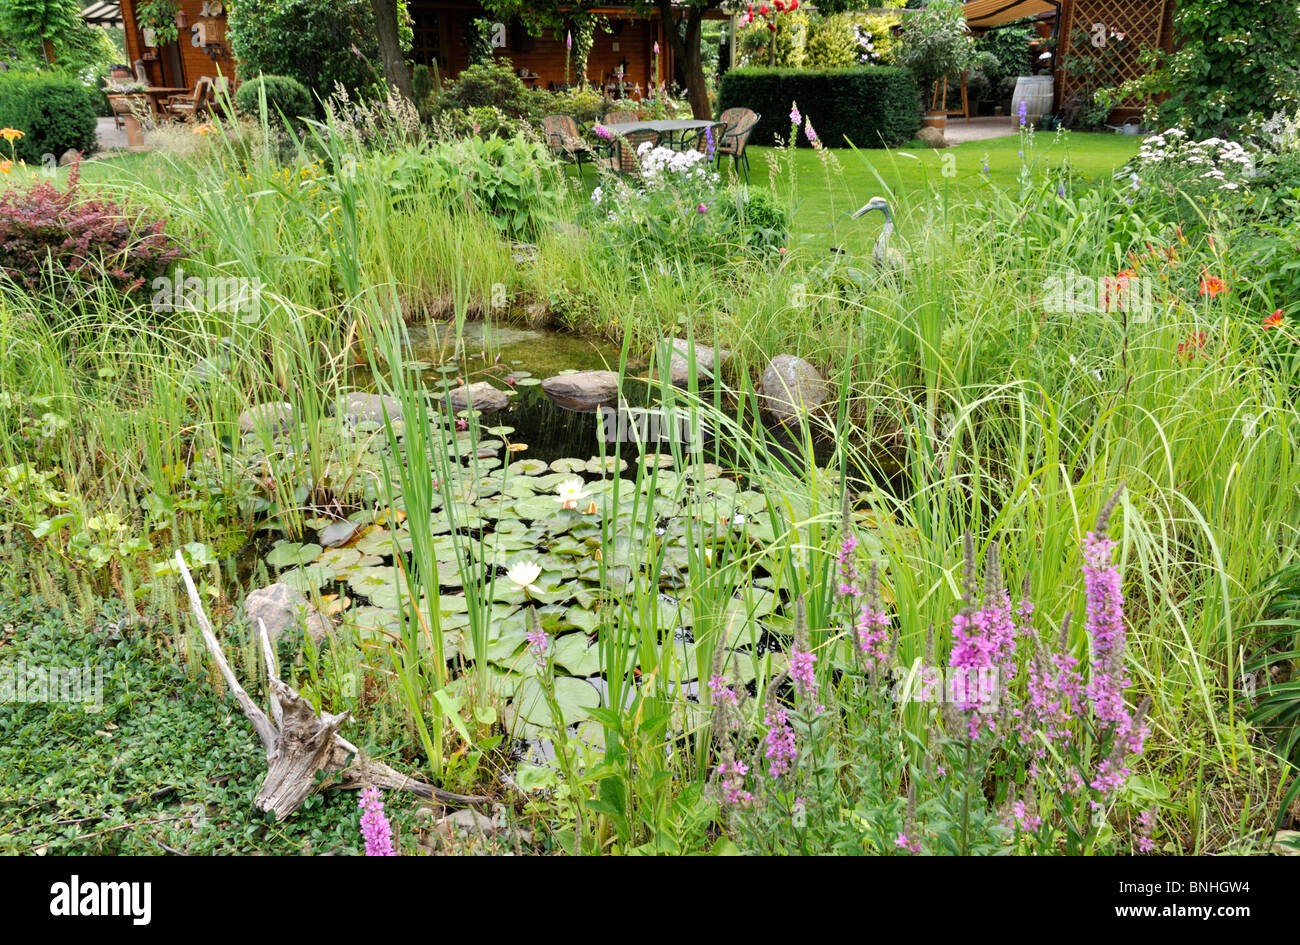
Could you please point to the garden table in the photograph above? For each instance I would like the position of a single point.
(668, 129)
(157, 93)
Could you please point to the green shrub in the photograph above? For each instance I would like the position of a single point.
(53, 111)
(756, 219)
(832, 43)
(316, 44)
(871, 106)
(286, 99)
(489, 84)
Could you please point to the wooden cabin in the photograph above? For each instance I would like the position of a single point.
(442, 29)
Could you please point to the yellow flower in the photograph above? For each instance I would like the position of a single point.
(204, 129)
(10, 134)
(6, 167)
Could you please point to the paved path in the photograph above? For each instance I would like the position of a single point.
(979, 129)
(110, 139)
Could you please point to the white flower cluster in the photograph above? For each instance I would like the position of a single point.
(658, 162)
(1224, 163)
(1282, 132)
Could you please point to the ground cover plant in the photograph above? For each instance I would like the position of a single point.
(1001, 582)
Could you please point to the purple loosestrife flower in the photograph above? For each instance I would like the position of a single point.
(873, 624)
(780, 751)
(1146, 827)
(803, 661)
(375, 829)
(812, 135)
(539, 641)
(848, 570)
(733, 783)
(906, 844)
(721, 691)
(1022, 818)
(984, 642)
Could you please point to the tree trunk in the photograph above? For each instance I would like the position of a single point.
(390, 47)
(687, 49)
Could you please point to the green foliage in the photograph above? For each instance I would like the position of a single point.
(1234, 65)
(935, 42)
(832, 42)
(47, 30)
(1009, 49)
(487, 84)
(871, 106)
(55, 112)
(317, 45)
(159, 16)
(791, 39)
(286, 99)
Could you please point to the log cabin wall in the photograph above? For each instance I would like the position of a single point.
(441, 34)
(201, 49)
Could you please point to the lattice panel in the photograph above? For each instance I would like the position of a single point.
(1139, 21)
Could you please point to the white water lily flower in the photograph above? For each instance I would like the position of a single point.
(569, 492)
(523, 573)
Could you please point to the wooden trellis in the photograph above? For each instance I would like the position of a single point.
(1141, 22)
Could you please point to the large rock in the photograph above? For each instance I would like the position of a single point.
(583, 390)
(360, 407)
(790, 387)
(337, 533)
(281, 607)
(270, 417)
(707, 360)
(481, 396)
(933, 137)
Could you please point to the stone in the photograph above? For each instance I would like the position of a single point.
(583, 390)
(481, 396)
(706, 360)
(270, 417)
(337, 533)
(279, 606)
(790, 387)
(359, 407)
(933, 137)
(69, 157)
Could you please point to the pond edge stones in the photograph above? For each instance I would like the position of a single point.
(480, 396)
(582, 390)
(360, 407)
(707, 359)
(271, 417)
(279, 607)
(790, 387)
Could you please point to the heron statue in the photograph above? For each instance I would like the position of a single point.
(888, 258)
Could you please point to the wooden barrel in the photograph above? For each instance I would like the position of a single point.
(1036, 92)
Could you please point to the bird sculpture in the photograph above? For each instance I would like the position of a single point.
(888, 258)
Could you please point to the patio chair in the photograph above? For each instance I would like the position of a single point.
(192, 106)
(740, 125)
(622, 158)
(619, 117)
(564, 137)
(701, 141)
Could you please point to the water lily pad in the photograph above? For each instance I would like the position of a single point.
(573, 698)
(288, 554)
(307, 579)
(577, 655)
(527, 467)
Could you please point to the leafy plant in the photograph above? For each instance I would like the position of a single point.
(286, 99)
(54, 111)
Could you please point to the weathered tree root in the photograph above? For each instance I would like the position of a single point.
(298, 742)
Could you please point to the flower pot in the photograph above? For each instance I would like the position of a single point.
(134, 133)
(935, 120)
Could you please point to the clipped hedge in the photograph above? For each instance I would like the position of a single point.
(872, 106)
(53, 111)
(286, 99)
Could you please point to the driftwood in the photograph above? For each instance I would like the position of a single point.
(298, 742)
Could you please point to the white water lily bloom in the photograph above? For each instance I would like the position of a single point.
(569, 492)
(523, 573)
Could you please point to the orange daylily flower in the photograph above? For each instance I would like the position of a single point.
(1212, 285)
(6, 167)
(11, 134)
(1274, 320)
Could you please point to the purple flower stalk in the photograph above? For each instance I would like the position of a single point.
(848, 570)
(711, 145)
(733, 783)
(1024, 112)
(906, 844)
(722, 691)
(781, 750)
(803, 672)
(539, 641)
(602, 132)
(375, 829)
(808, 130)
(795, 117)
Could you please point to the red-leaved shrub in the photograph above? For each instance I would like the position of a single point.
(83, 240)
